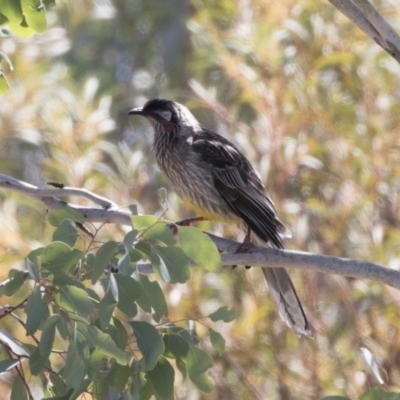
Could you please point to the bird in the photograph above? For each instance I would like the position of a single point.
(213, 178)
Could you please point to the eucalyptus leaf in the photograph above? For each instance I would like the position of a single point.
(217, 341)
(199, 247)
(161, 378)
(223, 314)
(8, 365)
(18, 391)
(75, 299)
(66, 232)
(35, 311)
(129, 291)
(102, 259)
(198, 362)
(149, 342)
(152, 298)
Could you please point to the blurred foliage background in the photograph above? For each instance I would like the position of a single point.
(303, 93)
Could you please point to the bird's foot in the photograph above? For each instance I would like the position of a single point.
(244, 246)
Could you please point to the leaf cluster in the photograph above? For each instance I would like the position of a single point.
(110, 346)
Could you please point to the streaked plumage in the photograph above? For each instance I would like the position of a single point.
(215, 179)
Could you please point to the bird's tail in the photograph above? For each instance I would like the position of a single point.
(284, 294)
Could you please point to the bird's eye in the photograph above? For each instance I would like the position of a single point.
(167, 115)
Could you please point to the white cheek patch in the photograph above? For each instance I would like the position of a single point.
(190, 140)
(165, 114)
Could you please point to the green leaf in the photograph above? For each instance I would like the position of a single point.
(8, 365)
(149, 342)
(75, 299)
(37, 362)
(181, 365)
(111, 286)
(118, 333)
(57, 385)
(58, 257)
(126, 396)
(9, 341)
(160, 232)
(118, 378)
(106, 309)
(48, 335)
(109, 301)
(77, 318)
(129, 239)
(146, 392)
(106, 345)
(199, 247)
(152, 298)
(77, 362)
(34, 310)
(3, 31)
(217, 341)
(129, 291)
(144, 249)
(124, 265)
(17, 279)
(55, 217)
(162, 378)
(112, 394)
(32, 266)
(379, 394)
(144, 221)
(174, 264)
(79, 389)
(66, 232)
(99, 366)
(138, 381)
(18, 390)
(3, 83)
(177, 342)
(102, 259)
(62, 327)
(335, 398)
(21, 31)
(197, 364)
(12, 10)
(35, 15)
(223, 314)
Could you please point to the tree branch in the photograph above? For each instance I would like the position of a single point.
(367, 18)
(109, 212)
(255, 256)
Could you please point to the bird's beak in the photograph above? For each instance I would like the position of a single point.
(137, 111)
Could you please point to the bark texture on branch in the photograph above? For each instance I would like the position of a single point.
(368, 19)
(255, 256)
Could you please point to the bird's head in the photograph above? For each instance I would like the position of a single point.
(167, 114)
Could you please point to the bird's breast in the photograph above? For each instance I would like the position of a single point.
(193, 182)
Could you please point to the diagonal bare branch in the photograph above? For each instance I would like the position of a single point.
(255, 256)
(368, 19)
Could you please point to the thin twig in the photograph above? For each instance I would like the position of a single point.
(20, 372)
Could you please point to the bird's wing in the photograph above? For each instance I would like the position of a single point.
(240, 186)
